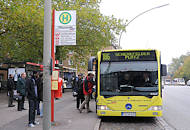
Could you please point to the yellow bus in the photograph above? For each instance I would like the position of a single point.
(128, 82)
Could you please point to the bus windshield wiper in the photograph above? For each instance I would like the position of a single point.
(140, 94)
(146, 89)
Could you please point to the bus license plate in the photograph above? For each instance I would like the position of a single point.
(128, 114)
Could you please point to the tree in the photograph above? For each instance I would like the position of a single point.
(176, 64)
(184, 71)
(22, 30)
(179, 68)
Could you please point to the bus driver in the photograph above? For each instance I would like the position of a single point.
(125, 79)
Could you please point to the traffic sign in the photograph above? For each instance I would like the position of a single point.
(65, 28)
(65, 18)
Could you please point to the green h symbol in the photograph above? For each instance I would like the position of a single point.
(65, 18)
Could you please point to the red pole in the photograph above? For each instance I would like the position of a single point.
(53, 61)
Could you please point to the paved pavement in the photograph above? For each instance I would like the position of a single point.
(176, 102)
(9, 114)
(66, 116)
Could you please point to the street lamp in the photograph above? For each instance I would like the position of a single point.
(140, 15)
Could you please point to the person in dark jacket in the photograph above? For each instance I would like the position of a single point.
(74, 85)
(21, 90)
(10, 87)
(32, 99)
(37, 78)
(79, 90)
(87, 90)
(40, 92)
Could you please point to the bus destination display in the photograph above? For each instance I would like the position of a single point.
(128, 56)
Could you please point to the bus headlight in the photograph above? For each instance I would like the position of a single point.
(102, 107)
(155, 108)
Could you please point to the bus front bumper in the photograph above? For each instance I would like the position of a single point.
(131, 113)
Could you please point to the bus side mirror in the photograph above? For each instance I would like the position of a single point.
(91, 63)
(163, 70)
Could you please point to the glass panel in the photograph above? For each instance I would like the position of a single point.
(129, 78)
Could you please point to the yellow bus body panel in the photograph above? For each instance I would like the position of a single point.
(140, 105)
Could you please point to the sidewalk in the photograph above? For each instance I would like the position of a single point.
(9, 114)
(66, 116)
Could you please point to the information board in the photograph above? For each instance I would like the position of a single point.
(65, 28)
(54, 85)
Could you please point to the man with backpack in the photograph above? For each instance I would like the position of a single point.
(87, 90)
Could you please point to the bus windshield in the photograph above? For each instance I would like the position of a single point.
(137, 78)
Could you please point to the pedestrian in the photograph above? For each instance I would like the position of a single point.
(40, 92)
(64, 84)
(21, 90)
(10, 87)
(74, 85)
(32, 99)
(79, 89)
(38, 101)
(87, 90)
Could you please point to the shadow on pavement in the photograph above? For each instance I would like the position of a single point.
(129, 119)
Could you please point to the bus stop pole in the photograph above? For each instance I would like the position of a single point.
(53, 65)
(46, 67)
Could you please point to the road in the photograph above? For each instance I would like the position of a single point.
(176, 101)
(176, 114)
(129, 123)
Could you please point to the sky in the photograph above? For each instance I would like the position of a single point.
(166, 29)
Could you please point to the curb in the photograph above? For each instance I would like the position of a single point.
(164, 124)
(97, 125)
